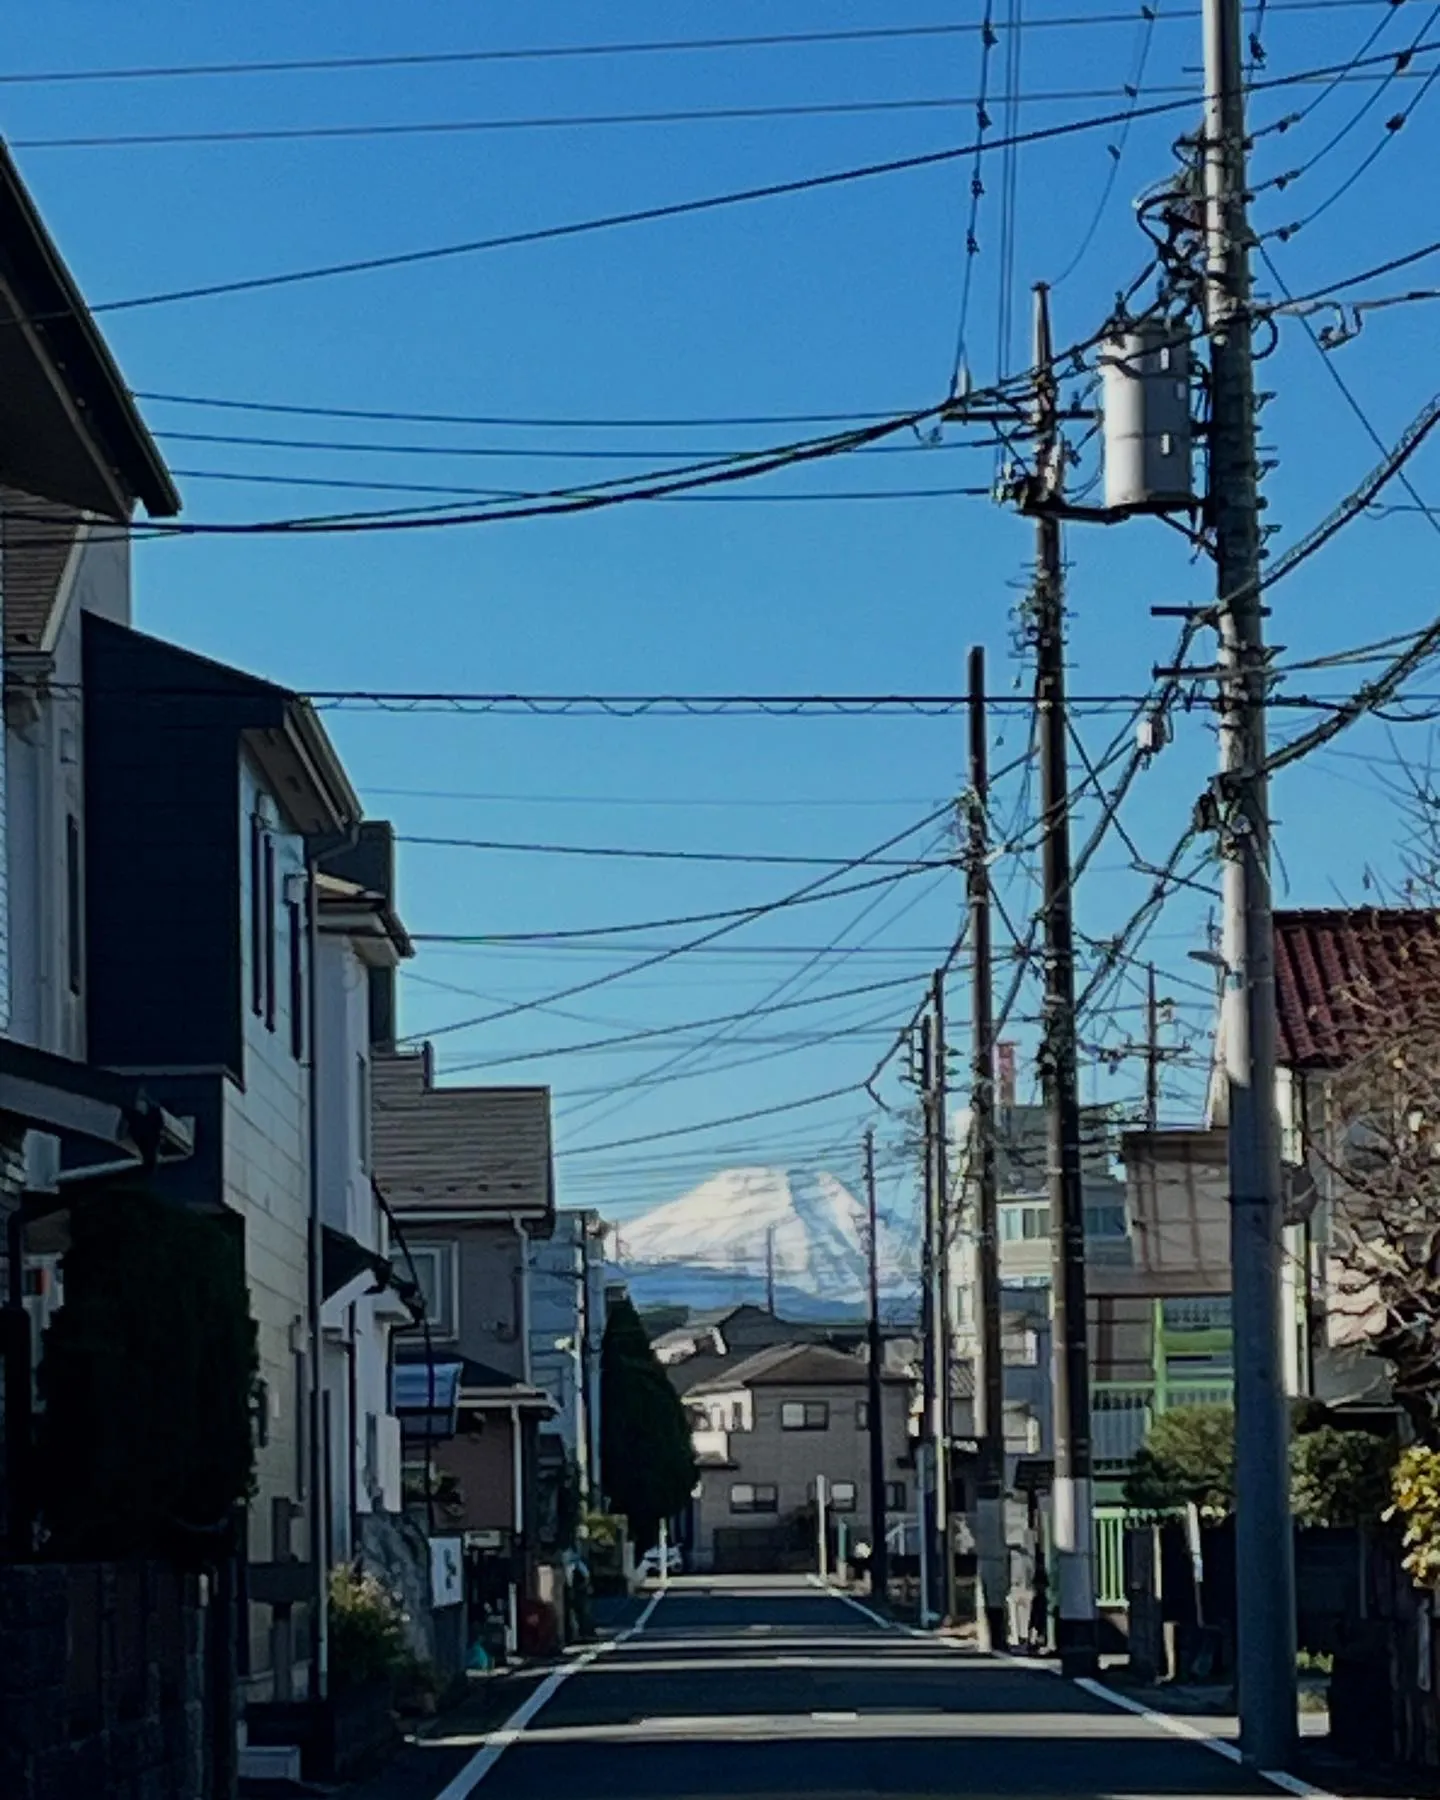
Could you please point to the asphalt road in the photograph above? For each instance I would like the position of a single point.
(759, 1687)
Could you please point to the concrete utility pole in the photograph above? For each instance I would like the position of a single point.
(1264, 1548)
(1152, 1053)
(944, 1345)
(822, 1536)
(1071, 1495)
(991, 1610)
(927, 1471)
(770, 1270)
(879, 1548)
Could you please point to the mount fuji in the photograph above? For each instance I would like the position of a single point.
(720, 1243)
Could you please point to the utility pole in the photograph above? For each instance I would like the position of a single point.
(1071, 1494)
(879, 1548)
(927, 1471)
(991, 1607)
(1152, 1053)
(944, 1346)
(1264, 1546)
(770, 1270)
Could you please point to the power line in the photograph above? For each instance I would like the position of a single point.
(269, 134)
(740, 1118)
(690, 944)
(644, 1035)
(561, 52)
(1393, 126)
(562, 939)
(673, 209)
(549, 453)
(988, 41)
(657, 422)
(680, 498)
(1149, 13)
(782, 859)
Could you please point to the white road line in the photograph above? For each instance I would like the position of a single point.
(1195, 1734)
(463, 1784)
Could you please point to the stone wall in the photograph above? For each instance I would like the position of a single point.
(101, 1683)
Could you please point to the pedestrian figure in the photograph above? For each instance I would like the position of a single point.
(1039, 1634)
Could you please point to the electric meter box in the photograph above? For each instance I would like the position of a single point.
(1148, 432)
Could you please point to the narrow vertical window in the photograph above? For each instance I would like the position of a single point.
(74, 946)
(297, 979)
(267, 902)
(257, 916)
(362, 1101)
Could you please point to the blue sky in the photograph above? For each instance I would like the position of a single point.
(845, 299)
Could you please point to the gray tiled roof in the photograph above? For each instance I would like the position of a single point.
(36, 538)
(461, 1148)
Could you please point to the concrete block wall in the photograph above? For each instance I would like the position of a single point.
(77, 1725)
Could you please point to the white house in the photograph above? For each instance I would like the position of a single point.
(567, 1325)
(76, 461)
(359, 931)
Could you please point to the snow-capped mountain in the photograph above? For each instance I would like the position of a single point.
(715, 1245)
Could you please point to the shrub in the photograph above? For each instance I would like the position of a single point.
(367, 1629)
(149, 1379)
(1415, 1488)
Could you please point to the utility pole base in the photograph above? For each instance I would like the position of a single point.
(1079, 1651)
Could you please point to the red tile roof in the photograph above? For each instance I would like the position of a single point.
(1325, 955)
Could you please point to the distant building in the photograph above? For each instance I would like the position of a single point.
(764, 1429)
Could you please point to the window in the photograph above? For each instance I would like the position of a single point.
(748, 1497)
(267, 924)
(805, 1415)
(894, 1496)
(1025, 1220)
(737, 1415)
(257, 915)
(435, 1269)
(1106, 1221)
(296, 924)
(74, 945)
(862, 1415)
(362, 1104)
(842, 1496)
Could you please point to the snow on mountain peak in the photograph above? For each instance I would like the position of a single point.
(725, 1228)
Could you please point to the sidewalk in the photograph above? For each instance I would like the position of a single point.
(441, 1746)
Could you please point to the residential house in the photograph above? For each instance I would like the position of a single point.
(211, 793)
(765, 1428)
(365, 1297)
(468, 1175)
(567, 1328)
(711, 1339)
(75, 463)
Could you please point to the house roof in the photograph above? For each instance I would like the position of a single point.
(792, 1365)
(37, 538)
(126, 668)
(460, 1379)
(69, 428)
(459, 1149)
(1325, 956)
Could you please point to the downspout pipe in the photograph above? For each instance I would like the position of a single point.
(318, 1468)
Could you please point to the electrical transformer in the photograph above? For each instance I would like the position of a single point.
(1148, 431)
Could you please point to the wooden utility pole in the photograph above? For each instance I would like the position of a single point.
(879, 1548)
(990, 1609)
(1264, 1544)
(1071, 1495)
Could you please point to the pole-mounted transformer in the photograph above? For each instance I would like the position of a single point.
(1148, 431)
